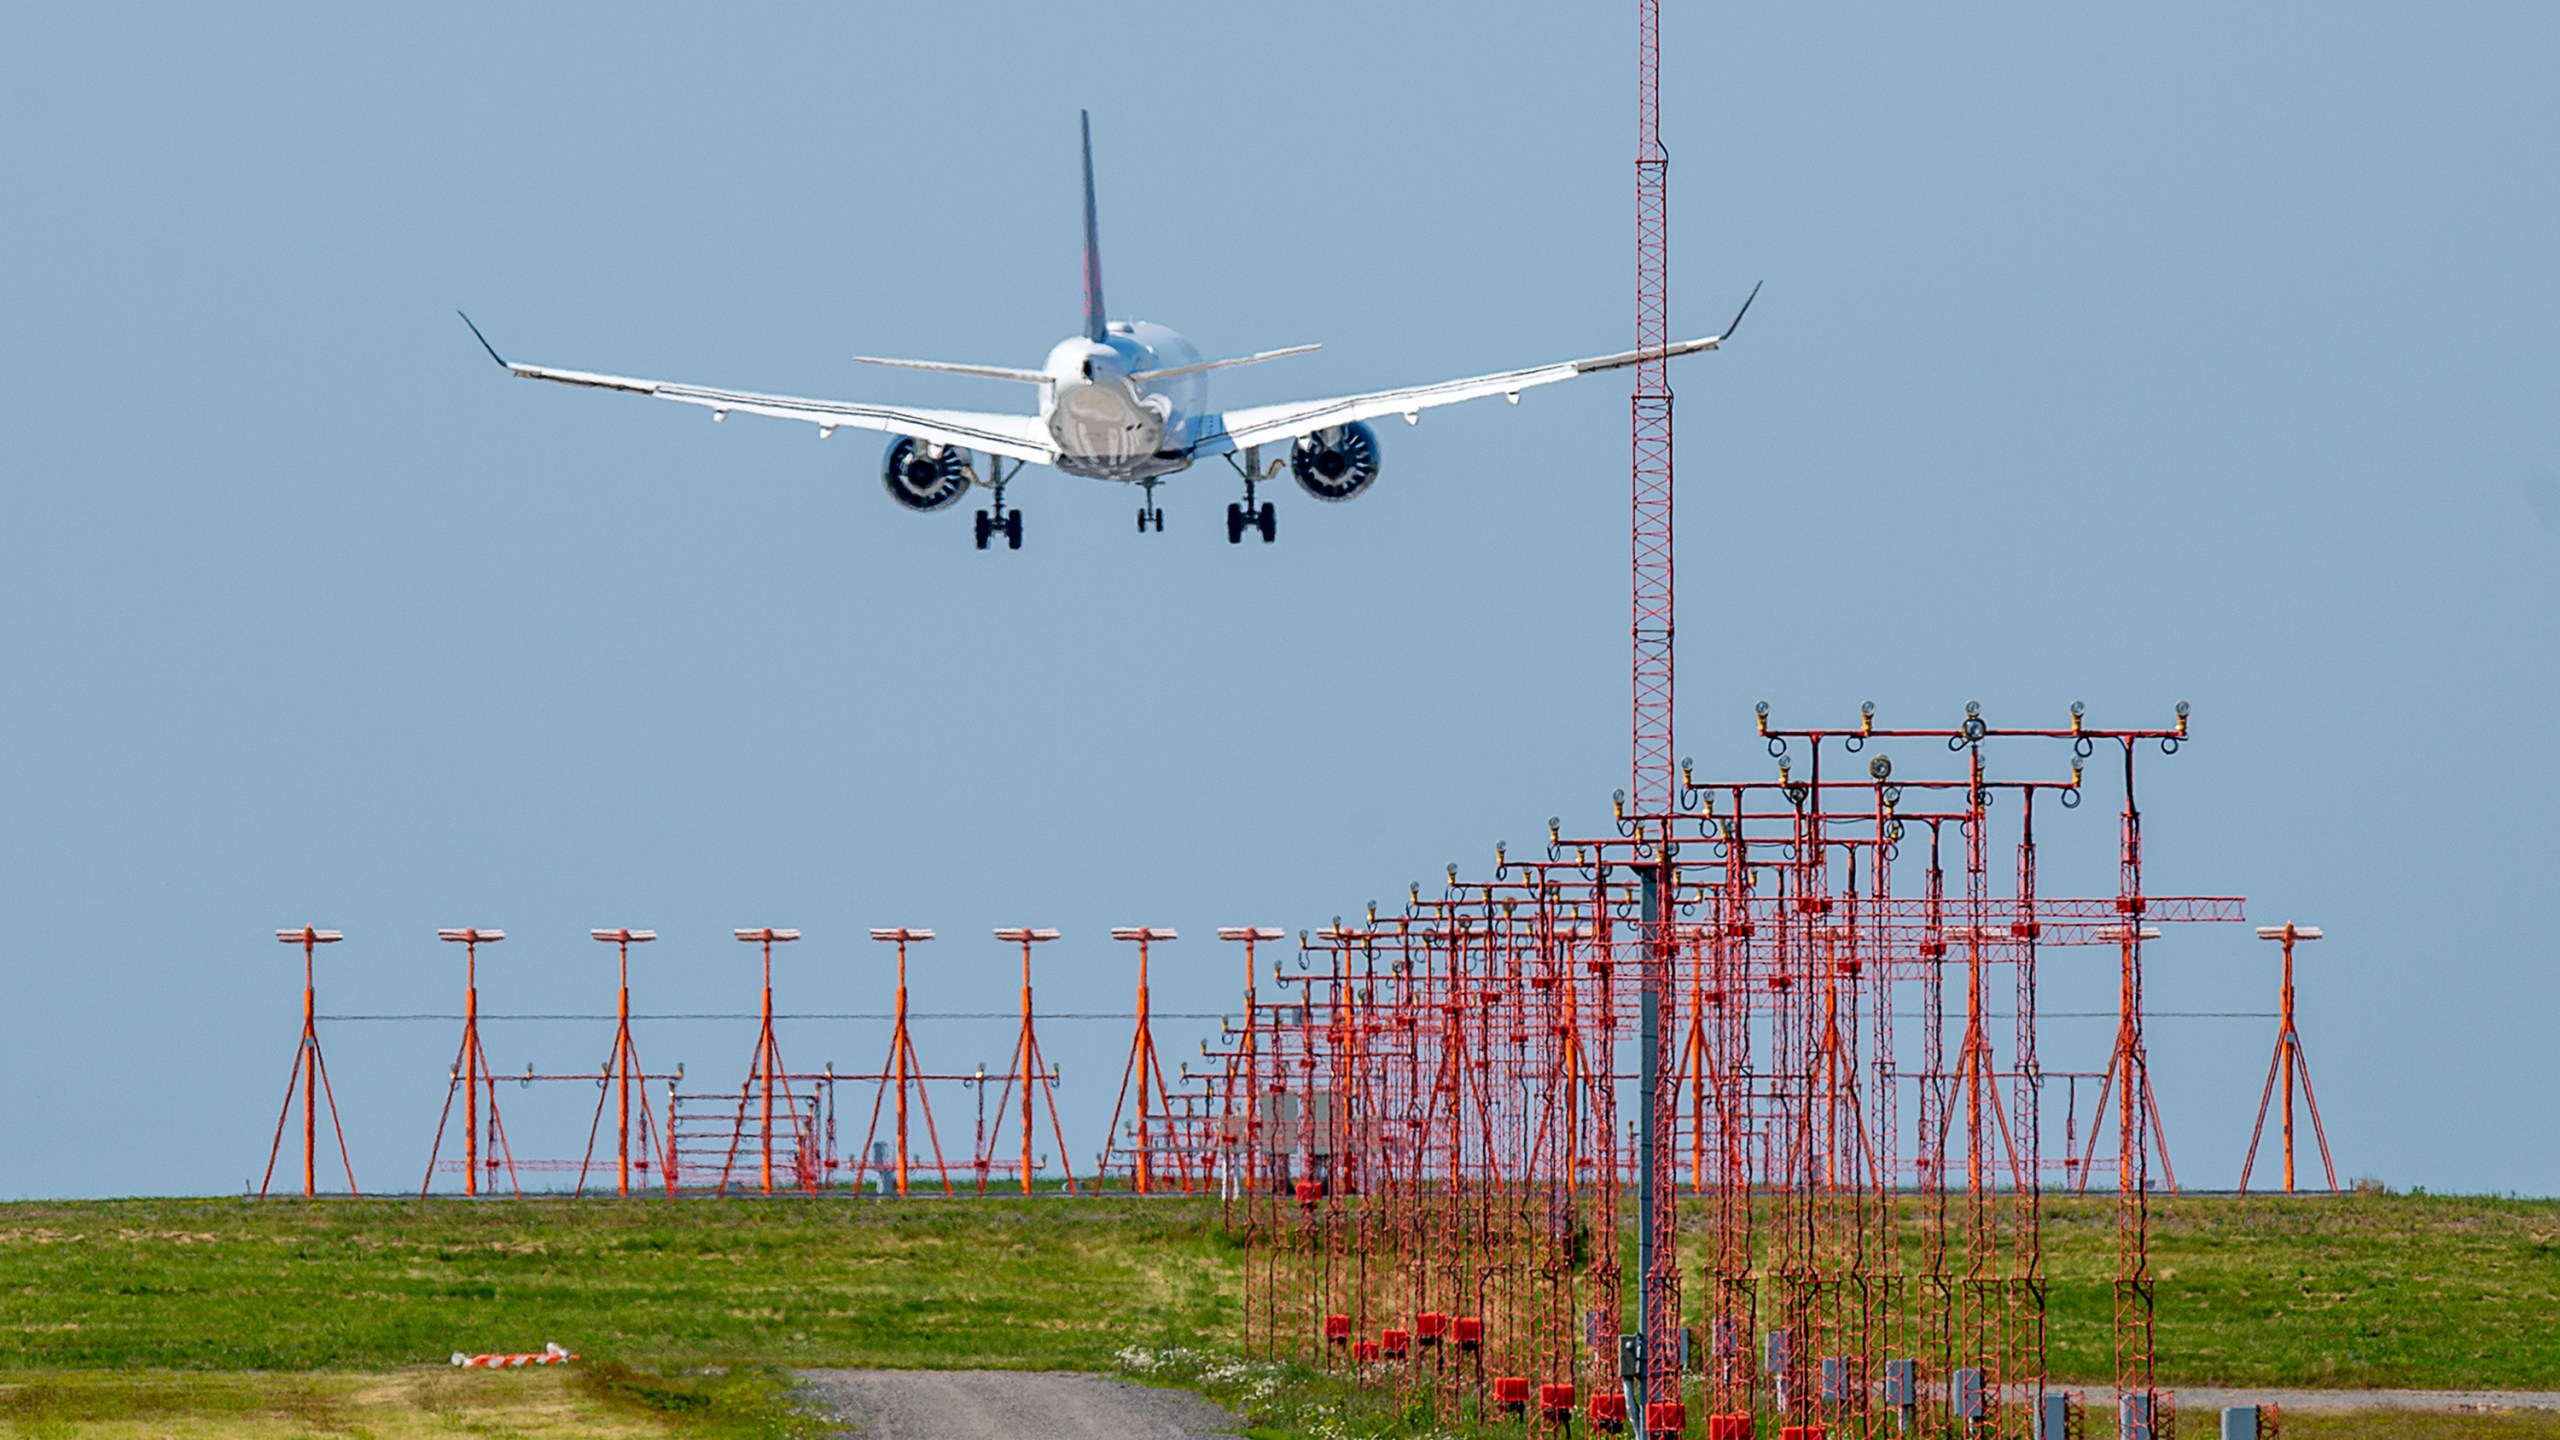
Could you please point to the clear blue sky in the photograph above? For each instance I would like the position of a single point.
(2196, 354)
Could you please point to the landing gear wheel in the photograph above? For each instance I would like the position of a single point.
(1235, 523)
(1266, 524)
(1159, 520)
(986, 529)
(1013, 529)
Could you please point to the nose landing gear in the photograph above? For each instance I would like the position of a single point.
(1248, 515)
(1148, 514)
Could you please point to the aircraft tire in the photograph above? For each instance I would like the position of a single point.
(1268, 523)
(1235, 523)
(1013, 530)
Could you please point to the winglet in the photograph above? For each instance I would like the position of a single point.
(484, 343)
(1093, 315)
(1738, 314)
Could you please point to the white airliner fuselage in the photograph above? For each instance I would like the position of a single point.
(1127, 401)
(1110, 426)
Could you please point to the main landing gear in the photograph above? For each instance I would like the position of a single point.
(1007, 523)
(1148, 514)
(1248, 515)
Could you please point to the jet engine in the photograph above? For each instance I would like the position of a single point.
(1336, 463)
(924, 476)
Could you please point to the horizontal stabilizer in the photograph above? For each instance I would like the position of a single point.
(984, 372)
(1171, 371)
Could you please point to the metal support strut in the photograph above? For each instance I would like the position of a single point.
(1249, 515)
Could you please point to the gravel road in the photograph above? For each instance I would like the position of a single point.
(1010, 1405)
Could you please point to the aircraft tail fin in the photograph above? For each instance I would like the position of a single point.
(1093, 313)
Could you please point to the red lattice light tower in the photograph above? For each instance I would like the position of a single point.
(2287, 1066)
(902, 1075)
(1028, 1071)
(311, 1077)
(471, 1077)
(1145, 1074)
(622, 1072)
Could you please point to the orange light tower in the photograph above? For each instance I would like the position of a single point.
(471, 1077)
(901, 1075)
(2288, 1066)
(311, 1077)
(622, 1072)
(766, 1074)
(2135, 1108)
(1144, 1073)
(1028, 1070)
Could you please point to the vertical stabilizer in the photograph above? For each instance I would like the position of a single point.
(1092, 240)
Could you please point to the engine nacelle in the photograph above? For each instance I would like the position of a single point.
(925, 477)
(1336, 463)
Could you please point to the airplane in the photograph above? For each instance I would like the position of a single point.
(1125, 400)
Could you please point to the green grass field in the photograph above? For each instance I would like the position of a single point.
(2363, 1291)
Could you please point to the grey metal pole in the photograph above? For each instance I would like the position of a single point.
(1648, 1081)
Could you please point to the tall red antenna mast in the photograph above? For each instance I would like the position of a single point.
(1652, 791)
(1655, 798)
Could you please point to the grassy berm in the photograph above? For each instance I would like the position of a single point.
(685, 1310)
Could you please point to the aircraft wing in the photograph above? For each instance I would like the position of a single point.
(1017, 437)
(1263, 424)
